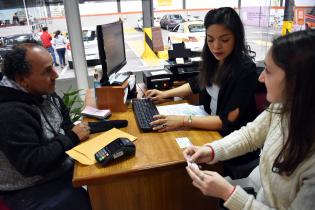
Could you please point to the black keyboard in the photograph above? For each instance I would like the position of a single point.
(144, 110)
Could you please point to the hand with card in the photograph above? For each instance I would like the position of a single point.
(197, 154)
(210, 183)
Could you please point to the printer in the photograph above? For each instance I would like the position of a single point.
(161, 79)
(185, 69)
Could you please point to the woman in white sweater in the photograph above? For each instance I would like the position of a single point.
(285, 131)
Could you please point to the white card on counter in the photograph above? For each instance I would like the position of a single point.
(183, 142)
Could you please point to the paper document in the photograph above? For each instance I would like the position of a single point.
(84, 152)
(182, 109)
(154, 73)
(179, 60)
(183, 142)
(90, 111)
(125, 94)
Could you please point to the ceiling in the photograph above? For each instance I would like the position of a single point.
(9, 4)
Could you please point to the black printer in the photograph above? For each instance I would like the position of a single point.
(186, 69)
(161, 79)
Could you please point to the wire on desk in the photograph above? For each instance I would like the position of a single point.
(143, 94)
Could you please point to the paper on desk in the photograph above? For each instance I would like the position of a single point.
(154, 73)
(182, 109)
(179, 60)
(84, 153)
(125, 94)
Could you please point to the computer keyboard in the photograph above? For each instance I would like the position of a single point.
(144, 110)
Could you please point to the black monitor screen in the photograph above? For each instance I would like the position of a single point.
(111, 48)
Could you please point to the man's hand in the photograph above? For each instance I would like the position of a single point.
(82, 130)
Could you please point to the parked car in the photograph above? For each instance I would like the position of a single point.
(310, 19)
(192, 18)
(156, 22)
(90, 47)
(169, 21)
(192, 33)
(8, 42)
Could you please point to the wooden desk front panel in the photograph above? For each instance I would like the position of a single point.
(168, 188)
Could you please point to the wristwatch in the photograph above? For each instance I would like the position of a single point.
(189, 120)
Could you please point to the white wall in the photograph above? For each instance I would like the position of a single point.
(304, 2)
(255, 3)
(98, 7)
(131, 6)
(196, 4)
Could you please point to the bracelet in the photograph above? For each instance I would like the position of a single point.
(234, 187)
(212, 152)
(184, 121)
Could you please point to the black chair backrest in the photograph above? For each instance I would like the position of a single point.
(179, 51)
(260, 93)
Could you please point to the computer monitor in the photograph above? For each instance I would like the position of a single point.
(111, 47)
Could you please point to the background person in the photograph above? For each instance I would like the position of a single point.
(15, 19)
(227, 79)
(36, 130)
(46, 42)
(285, 131)
(59, 43)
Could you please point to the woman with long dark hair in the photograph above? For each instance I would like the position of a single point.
(286, 131)
(226, 83)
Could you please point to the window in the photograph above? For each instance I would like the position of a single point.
(196, 28)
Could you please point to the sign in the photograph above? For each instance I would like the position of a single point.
(300, 16)
(157, 39)
(165, 3)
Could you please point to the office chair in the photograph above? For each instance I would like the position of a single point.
(260, 93)
(252, 54)
(3, 205)
(179, 51)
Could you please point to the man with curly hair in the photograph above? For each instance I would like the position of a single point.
(36, 130)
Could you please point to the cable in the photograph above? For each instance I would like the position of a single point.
(143, 93)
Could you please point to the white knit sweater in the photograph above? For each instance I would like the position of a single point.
(296, 191)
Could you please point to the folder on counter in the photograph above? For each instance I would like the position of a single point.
(84, 152)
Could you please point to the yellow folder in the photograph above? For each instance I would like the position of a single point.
(84, 152)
